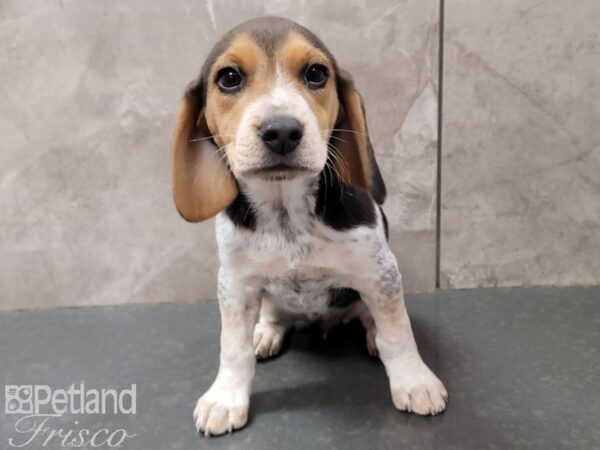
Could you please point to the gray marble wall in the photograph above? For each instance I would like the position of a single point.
(90, 89)
(521, 143)
(89, 93)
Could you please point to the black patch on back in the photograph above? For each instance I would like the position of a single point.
(241, 213)
(342, 297)
(342, 206)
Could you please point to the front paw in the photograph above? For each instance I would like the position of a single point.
(221, 410)
(416, 389)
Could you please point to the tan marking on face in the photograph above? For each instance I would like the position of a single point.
(223, 111)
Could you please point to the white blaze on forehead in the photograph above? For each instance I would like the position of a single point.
(284, 97)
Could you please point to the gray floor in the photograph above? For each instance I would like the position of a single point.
(522, 367)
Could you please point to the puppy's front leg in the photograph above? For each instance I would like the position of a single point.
(224, 407)
(414, 386)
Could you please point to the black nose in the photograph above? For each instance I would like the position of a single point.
(281, 134)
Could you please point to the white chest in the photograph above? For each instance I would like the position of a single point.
(298, 268)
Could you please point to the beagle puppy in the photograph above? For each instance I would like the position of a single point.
(272, 139)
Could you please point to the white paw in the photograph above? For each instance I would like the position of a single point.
(221, 410)
(268, 339)
(416, 389)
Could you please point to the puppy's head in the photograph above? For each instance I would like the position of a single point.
(270, 104)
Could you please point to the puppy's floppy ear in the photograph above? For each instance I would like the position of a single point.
(356, 160)
(202, 182)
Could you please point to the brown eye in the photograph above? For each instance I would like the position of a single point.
(229, 79)
(315, 76)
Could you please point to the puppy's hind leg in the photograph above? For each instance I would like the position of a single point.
(270, 330)
(369, 325)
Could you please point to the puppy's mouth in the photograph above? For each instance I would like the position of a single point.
(278, 172)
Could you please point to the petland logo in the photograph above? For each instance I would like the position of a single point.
(39, 405)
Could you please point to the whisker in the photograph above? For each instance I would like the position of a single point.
(338, 138)
(327, 169)
(331, 136)
(335, 153)
(335, 157)
(227, 170)
(349, 131)
(250, 205)
(223, 155)
(343, 168)
(341, 163)
(211, 137)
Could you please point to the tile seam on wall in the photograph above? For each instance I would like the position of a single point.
(438, 217)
